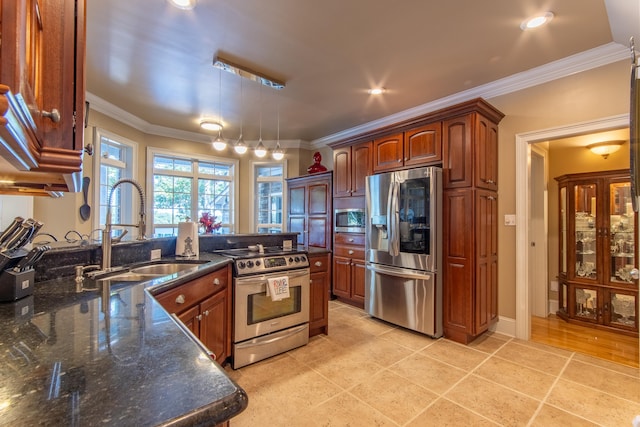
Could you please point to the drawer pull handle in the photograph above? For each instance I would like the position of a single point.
(350, 252)
(180, 299)
(54, 115)
(318, 264)
(216, 281)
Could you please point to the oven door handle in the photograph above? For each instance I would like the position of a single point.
(399, 272)
(257, 280)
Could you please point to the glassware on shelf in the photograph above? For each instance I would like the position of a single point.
(624, 309)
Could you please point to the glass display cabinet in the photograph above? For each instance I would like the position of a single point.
(598, 250)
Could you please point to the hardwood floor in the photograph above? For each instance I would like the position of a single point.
(610, 346)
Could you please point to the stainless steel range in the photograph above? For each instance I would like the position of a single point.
(264, 327)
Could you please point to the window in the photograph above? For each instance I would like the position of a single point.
(269, 197)
(114, 159)
(185, 187)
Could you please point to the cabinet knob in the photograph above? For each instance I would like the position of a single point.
(180, 299)
(491, 198)
(635, 273)
(206, 313)
(310, 281)
(216, 281)
(318, 264)
(350, 252)
(490, 181)
(399, 160)
(351, 239)
(54, 115)
(199, 317)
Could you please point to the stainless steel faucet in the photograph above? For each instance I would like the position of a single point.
(107, 240)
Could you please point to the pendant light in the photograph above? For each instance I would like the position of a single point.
(278, 153)
(241, 146)
(219, 143)
(260, 149)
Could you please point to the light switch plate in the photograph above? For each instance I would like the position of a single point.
(287, 245)
(156, 254)
(510, 220)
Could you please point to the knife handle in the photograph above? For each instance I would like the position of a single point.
(17, 238)
(12, 228)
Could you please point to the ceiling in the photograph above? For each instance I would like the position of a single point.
(152, 63)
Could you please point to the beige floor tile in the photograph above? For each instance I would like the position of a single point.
(384, 352)
(603, 379)
(551, 417)
(489, 342)
(428, 373)
(544, 347)
(494, 401)
(344, 410)
(623, 369)
(444, 413)
(318, 348)
(303, 391)
(264, 373)
(596, 406)
(347, 369)
(394, 396)
(407, 338)
(349, 336)
(529, 381)
(374, 326)
(533, 357)
(455, 354)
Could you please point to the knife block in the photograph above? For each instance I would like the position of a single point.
(16, 285)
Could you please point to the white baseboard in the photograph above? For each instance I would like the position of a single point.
(505, 325)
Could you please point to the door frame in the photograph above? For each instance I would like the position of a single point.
(523, 178)
(541, 239)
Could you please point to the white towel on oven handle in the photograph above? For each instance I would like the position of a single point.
(278, 288)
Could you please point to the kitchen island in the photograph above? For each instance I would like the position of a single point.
(109, 356)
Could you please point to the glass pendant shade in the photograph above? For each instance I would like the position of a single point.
(260, 149)
(240, 146)
(219, 143)
(278, 153)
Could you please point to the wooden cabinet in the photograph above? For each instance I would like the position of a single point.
(349, 268)
(417, 147)
(310, 209)
(320, 279)
(351, 166)
(42, 98)
(598, 250)
(204, 306)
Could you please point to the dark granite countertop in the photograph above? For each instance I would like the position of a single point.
(112, 356)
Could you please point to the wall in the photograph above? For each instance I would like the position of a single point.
(590, 95)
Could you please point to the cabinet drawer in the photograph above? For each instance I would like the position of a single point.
(349, 251)
(185, 296)
(318, 263)
(349, 239)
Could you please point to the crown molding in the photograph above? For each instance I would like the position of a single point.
(584, 61)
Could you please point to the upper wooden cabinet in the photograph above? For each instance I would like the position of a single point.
(310, 209)
(351, 166)
(417, 147)
(470, 145)
(42, 95)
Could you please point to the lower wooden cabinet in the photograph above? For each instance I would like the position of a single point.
(204, 306)
(320, 266)
(349, 268)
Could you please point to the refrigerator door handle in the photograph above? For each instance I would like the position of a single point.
(399, 272)
(393, 219)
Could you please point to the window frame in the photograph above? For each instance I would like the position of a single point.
(195, 158)
(128, 210)
(254, 188)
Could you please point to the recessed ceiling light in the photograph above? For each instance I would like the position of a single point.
(183, 4)
(536, 21)
(212, 126)
(376, 91)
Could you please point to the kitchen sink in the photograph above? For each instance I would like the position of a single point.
(147, 272)
(161, 269)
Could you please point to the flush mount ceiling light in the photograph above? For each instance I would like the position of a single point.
(536, 21)
(226, 65)
(183, 4)
(209, 125)
(605, 148)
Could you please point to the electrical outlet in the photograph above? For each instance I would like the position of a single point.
(554, 285)
(510, 220)
(156, 254)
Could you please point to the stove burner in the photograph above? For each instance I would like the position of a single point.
(273, 259)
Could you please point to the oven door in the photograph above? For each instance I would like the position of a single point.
(256, 314)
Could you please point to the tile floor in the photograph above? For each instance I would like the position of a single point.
(370, 373)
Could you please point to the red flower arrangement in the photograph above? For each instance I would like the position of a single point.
(209, 222)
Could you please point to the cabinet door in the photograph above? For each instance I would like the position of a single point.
(621, 240)
(342, 172)
(585, 303)
(621, 309)
(423, 146)
(297, 202)
(388, 152)
(319, 215)
(486, 283)
(486, 155)
(342, 276)
(319, 307)
(358, 269)
(458, 151)
(586, 235)
(213, 326)
(190, 320)
(361, 167)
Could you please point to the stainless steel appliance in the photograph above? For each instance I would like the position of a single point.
(263, 327)
(403, 283)
(349, 220)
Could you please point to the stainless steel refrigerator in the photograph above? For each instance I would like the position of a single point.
(403, 249)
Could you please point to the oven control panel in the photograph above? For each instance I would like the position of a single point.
(271, 263)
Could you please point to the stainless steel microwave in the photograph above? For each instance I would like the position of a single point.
(349, 220)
